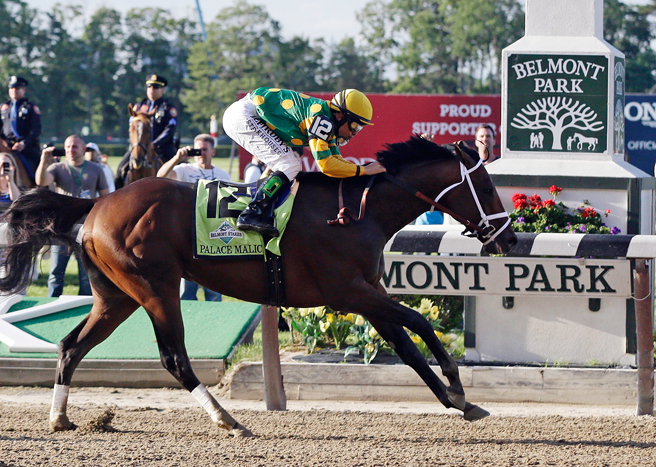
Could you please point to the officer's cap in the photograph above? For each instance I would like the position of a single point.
(156, 80)
(17, 82)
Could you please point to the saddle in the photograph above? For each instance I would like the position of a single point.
(218, 204)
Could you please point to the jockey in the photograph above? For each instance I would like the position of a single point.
(269, 122)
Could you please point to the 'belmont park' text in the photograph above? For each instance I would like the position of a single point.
(449, 275)
(566, 66)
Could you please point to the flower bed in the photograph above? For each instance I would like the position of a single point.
(532, 214)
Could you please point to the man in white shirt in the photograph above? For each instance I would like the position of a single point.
(92, 153)
(201, 169)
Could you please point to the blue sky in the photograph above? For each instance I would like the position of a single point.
(333, 19)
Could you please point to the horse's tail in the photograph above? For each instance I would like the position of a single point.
(37, 218)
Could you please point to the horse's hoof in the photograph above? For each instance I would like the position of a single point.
(458, 400)
(474, 412)
(62, 424)
(240, 431)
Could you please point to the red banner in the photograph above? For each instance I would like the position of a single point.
(398, 116)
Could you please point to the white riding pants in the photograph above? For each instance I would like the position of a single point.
(247, 129)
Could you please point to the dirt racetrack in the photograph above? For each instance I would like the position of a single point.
(148, 435)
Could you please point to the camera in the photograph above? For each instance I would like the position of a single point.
(6, 166)
(195, 152)
(59, 152)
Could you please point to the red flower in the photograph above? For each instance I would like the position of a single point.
(518, 196)
(535, 201)
(554, 190)
(520, 204)
(607, 211)
(548, 203)
(588, 212)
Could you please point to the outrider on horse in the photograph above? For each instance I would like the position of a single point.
(143, 160)
(137, 243)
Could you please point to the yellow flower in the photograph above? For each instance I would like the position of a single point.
(370, 347)
(303, 312)
(438, 334)
(415, 338)
(425, 305)
(330, 317)
(373, 333)
(359, 321)
(324, 326)
(350, 318)
(319, 312)
(447, 339)
(434, 313)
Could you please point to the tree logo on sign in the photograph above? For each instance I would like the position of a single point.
(557, 114)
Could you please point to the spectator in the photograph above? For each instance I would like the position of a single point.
(74, 177)
(268, 122)
(485, 141)
(164, 123)
(201, 169)
(9, 191)
(254, 170)
(21, 125)
(92, 153)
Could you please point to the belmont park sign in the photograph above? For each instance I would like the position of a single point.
(558, 102)
(466, 275)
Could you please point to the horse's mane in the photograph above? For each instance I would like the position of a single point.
(397, 155)
(416, 149)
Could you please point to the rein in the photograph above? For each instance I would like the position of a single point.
(484, 230)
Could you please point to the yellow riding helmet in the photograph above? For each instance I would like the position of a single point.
(354, 105)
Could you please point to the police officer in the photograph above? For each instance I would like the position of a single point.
(21, 125)
(164, 122)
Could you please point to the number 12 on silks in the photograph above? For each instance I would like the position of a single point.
(321, 127)
(226, 207)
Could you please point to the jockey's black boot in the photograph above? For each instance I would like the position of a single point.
(257, 215)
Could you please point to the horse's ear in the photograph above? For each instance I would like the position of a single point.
(131, 110)
(464, 153)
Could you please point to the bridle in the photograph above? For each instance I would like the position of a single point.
(484, 230)
(140, 162)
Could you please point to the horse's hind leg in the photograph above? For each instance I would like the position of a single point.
(105, 316)
(164, 312)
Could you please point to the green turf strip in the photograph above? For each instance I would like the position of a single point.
(211, 330)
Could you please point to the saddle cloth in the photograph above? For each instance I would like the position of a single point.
(217, 206)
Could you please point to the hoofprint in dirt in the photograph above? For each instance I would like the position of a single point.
(149, 428)
(182, 437)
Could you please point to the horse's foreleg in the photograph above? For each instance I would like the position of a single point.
(399, 340)
(383, 309)
(170, 339)
(104, 318)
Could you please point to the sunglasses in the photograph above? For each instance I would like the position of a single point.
(154, 86)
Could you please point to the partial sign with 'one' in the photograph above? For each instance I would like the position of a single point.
(462, 275)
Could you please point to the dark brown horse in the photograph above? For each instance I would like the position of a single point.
(137, 244)
(144, 161)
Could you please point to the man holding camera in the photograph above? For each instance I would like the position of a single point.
(76, 177)
(201, 169)
(21, 125)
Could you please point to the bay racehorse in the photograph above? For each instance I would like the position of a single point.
(23, 179)
(136, 244)
(144, 161)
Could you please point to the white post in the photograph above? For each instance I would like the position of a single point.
(274, 391)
